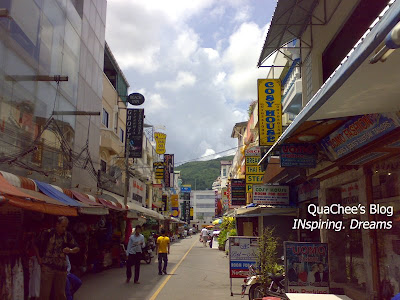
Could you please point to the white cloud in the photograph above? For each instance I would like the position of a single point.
(219, 78)
(183, 79)
(242, 55)
(198, 93)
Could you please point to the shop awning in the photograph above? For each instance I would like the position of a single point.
(356, 87)
(50, 191)
(136, 207)
(8, 189)
(110, 204)
(52, 206)
(290, 19)
(264, 210)
(83, 199)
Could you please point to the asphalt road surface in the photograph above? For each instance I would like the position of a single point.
(194, 272)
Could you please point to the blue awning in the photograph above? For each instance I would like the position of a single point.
(51, 192)
(343, 94)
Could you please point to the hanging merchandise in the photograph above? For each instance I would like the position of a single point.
(17, 281)
(34, 278)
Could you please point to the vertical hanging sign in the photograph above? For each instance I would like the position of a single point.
(269, 110)
(134, 132)
(169, 170)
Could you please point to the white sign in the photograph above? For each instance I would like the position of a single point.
(271, 194)
(242, 254)
(253, 151)
(137, 190)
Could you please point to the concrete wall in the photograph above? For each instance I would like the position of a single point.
(321, 37)
(90, 86)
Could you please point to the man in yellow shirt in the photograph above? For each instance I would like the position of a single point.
(163, 246)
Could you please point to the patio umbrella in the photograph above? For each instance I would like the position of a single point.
(217, 221)
(210, 226)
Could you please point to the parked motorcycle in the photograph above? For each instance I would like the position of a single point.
(258, 290)
(147, 254)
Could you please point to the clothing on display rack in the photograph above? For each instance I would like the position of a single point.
(34, 278)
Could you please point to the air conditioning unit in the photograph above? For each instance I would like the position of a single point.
(286, 120)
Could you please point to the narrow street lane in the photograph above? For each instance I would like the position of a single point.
(195, 271)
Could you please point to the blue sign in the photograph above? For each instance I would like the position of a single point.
(358, 132)
(186, 189)
(299, 155)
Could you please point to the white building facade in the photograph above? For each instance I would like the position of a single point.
(203, 203)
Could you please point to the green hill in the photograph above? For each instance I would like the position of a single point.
(201, 174)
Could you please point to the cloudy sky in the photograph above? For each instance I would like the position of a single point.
(195, 63)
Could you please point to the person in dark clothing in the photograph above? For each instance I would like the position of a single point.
(293, 274)
(51, 249)
(321, 275)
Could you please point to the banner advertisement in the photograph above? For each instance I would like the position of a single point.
(134, 132)
(164, 201)
(138, 190)
(306, 267)
(187, 211)
(169, 170)
(252, 160)
(271, 194)
(160, 142)
(253, 151)
(308, 190)
(350, 194)
(174, 206)
(238, 192)
(242, 254)
(269, 110)
(254, 179)
(191, 213)
(299, 155)
(159, 173)
(358, 132)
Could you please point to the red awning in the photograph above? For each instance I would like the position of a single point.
(8, 189)
(83, 199)
(110, 204)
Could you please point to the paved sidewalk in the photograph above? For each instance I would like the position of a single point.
(202, 274)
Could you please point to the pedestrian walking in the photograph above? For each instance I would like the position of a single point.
(51, 248)
(134, 253)
(204, 236)
(163, 248)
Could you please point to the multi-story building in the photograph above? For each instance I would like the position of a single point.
(344, 67)
(40, 40)
(113, 126)
(203, 203)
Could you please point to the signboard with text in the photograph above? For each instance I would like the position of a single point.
(252, 160)
(238, 192)
(269, 110)
(242, 254)
(254, 179)
(298, 155)
(306, 267)
(271, 194)
(160, 139)
(357, 132)
(253, 151)
(134, 132)
(169, 170)
(174, 206)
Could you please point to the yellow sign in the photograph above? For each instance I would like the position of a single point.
(174, 201)
(254, 179)
(252, 160)
(254, 170)
(269, 110)
(249, 188)
(160, 173)
(160, 142)
(191, 211)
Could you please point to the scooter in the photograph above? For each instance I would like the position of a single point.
(147, 254)
(258, 290)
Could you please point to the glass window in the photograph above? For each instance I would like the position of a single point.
(224, 172)
(103, 166)
(121, 134)
(105, 118)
